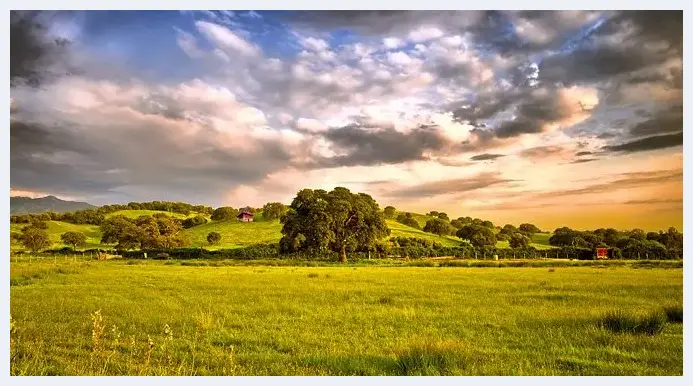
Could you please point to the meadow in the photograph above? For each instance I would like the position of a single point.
(175, 318)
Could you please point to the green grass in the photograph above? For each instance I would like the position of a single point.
(401, 230)
(57, 228)
(235, 234)
(138, 213)
(338, 320)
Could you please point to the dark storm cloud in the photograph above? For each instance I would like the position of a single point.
(583, 153)
(584, 160)
(366, 147)
(665, 121)
(655, 142)
(75, 161)
(486, 157)
(452, 186)
(595, 60)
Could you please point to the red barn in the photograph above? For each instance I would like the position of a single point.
(602, 253)
(246, 215)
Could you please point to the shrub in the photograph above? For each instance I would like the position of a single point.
(194, 221)
(674, 313)
(224, 213)
(620, 322)
(214, 238)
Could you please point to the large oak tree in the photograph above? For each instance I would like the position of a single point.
(338, 221)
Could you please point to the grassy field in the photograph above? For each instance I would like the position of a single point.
(167, 318)
(235, 233)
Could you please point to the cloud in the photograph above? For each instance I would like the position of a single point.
(543, 152)
(227, 39)
(188, 44)
(629, 180)
(486, 157)
(665, 121)
(451, 186)
(357, 145)
(104, 140)
(654, 142)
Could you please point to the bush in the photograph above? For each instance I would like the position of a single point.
(214, 238)
(620, 322)
(674, 313)
(194, 221)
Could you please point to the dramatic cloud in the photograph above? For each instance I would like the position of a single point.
(469, 109)
(486, 157)
(649, 143)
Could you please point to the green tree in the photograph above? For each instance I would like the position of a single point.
(438, 227)
(432, 213)
(478, 236)
(509, 229)
(74, 239)
(340, 221)
(457, 223)
(443, 216)
(224, 213)
(389, 212)
(638, 234)
(529, 229)
(214, 238)
(194, 221)
(273, 210)
(121, 230)
(35, 239)
(518, 240)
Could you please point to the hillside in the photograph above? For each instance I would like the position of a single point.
(236, 234)
(57, 228)
(26, 205)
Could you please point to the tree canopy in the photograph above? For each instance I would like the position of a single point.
(224, 213)
(478, 236)
(339, 221)
(74, 239)
(519, 240)
(158, 231)
(34, 239)
(438, 227)
(389, 212)
(273, 210)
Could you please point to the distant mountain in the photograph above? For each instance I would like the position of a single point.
(25, 205)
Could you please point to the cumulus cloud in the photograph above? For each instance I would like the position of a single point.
(441, 89)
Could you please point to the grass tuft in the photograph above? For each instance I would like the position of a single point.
(621, 322)
(313, 275)
(386, 300)
(427, 360)
(674, 313)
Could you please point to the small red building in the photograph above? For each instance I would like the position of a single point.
(602, 253)
(246, 215)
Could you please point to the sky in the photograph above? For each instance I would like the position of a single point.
(566, 118)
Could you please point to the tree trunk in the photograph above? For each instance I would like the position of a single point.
(342, 255)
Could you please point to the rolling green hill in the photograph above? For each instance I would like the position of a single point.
(57, 228)
(236, 234)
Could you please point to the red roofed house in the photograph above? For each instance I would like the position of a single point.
(246, 215)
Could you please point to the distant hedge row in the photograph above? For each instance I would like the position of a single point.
(270, 251)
